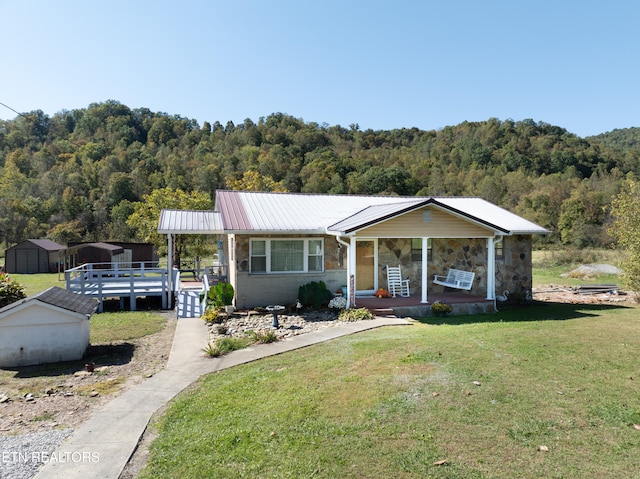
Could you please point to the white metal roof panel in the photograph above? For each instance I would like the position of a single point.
(291, 212)
(491, 214)
(190, 222)
(265, 212)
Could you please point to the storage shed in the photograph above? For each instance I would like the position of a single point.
(49, 327)
(99, 252)
(33, 256)
(111, 252)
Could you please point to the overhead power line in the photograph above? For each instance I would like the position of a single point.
(16, 112)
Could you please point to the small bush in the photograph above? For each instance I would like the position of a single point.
(339, 302)
(356, 314)
(221, 294)
(222, 346)
(314, 294)
(441, 308)
(10, 292)
(212, 350)
(212, 316)
(266, 336)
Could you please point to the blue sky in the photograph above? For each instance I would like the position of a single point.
(380, 64)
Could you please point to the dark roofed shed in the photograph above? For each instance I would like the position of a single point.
(33, 256)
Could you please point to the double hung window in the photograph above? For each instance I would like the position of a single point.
(296, 255)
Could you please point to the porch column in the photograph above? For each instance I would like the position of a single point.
(425, 267)
(491, 268)
(351, 273)
(169, 268)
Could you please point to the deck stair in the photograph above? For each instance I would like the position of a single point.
(188, 304)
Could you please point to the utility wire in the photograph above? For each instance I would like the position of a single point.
(17, 112)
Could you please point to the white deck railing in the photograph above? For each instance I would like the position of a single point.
(119, 280)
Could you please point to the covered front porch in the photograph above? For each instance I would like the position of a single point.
(413, 307)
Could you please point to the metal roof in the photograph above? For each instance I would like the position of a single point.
(374, 214)
(245, 211)
(491, 215)
(190, 222)
(266, 212)
(45, 244)
(291, 212)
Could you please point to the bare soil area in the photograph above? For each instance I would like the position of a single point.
(64, 395)
(560, 294)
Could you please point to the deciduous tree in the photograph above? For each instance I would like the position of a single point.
(626, 229)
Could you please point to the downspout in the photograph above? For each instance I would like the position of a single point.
(348, 248)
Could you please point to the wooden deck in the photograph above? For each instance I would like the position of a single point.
(113, 280)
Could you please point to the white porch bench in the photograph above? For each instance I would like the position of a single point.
(456, 279)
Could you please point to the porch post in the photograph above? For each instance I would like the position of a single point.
(351, 273)
(491, 269)
(169, 268)
(425, 276)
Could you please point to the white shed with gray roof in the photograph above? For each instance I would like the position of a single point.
(48, 327)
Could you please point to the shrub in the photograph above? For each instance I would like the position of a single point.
(339, 302)
(266, 336)
(225, 345)
(221, 294)
(212, 316)
(212, 350)
(10, 292)
(356, 314)
(441, 308)
(314, 294)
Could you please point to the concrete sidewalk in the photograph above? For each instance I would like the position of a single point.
(102, 446)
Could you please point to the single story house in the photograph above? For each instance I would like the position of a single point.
(33, 256)
(48, 327)
(276, 242)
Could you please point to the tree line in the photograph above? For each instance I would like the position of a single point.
(78, 175)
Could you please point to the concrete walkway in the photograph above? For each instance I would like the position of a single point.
(102, 446)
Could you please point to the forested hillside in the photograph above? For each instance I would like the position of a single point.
(77, 174)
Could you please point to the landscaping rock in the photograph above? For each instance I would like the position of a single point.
(240, 324)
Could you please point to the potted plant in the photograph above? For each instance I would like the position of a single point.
(441, 309)
(222, 296)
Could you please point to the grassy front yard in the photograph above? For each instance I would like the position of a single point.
(465, 397)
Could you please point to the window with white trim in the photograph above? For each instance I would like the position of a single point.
(416, 249)
(293, 255)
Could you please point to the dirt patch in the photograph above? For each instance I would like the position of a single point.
(564, 294)
(64, 395)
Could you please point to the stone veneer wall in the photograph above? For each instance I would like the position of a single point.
(464, 254)
(513, 273)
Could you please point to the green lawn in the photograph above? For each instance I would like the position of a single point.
(36, 283)
(395, 402)
(554, 267)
